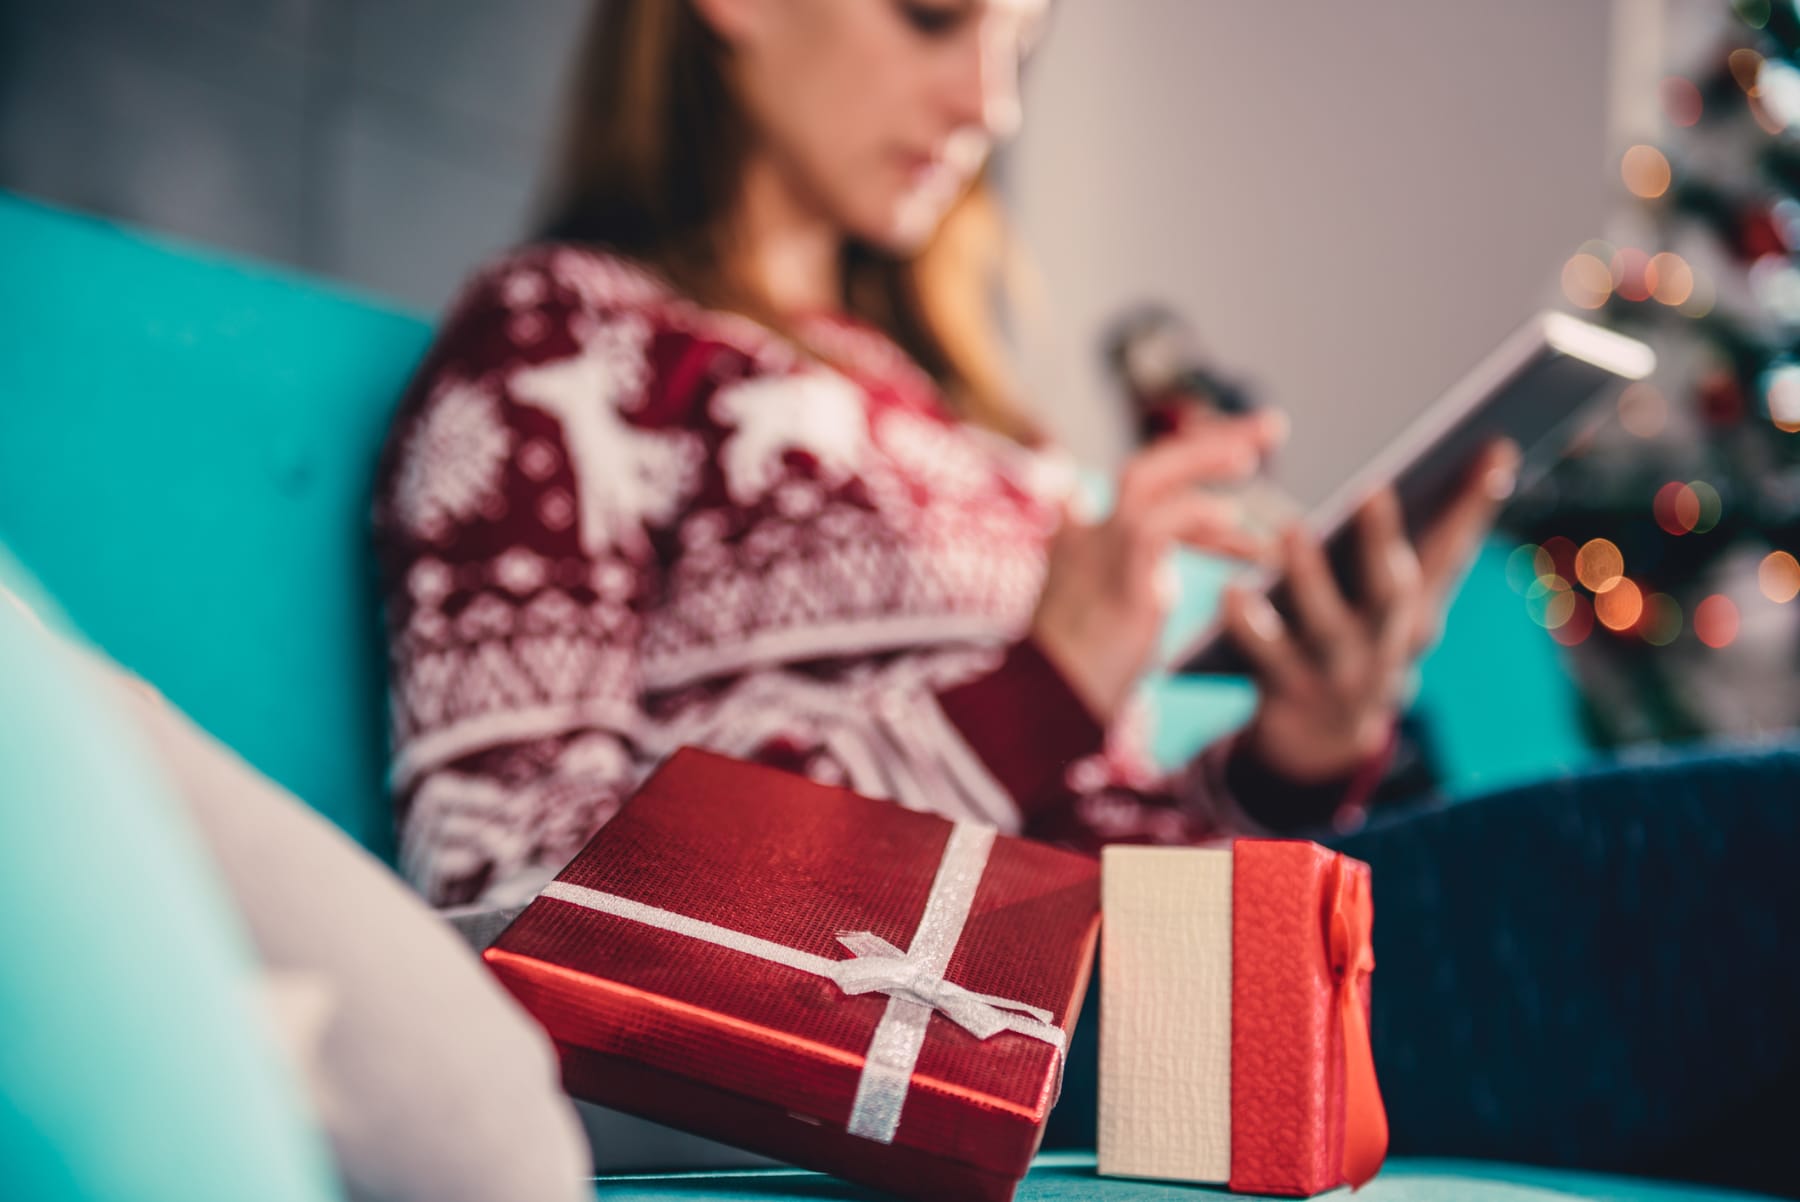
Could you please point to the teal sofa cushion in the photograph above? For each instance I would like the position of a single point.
(186, 446)
(136, 1062)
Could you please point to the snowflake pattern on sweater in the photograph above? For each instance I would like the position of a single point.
(611, 522)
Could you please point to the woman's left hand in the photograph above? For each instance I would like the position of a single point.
(1331, 686)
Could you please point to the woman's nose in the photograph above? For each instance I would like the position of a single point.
(1001, 110)
(987, 83)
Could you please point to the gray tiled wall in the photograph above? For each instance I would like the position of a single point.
(389, 143)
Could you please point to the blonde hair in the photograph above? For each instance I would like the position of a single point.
(649, 163)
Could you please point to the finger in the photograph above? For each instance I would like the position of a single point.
(1325, 619)
(1399, 608)
(1273, 423)
(1389, 566)
(1203, 521)
(1216, 451)
(1263, 637)
(1398, 633)
(1450, 543)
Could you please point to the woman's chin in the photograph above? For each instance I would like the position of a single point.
(899, 244)
(910, 226)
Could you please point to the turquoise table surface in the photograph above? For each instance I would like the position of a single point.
(1066, 1177)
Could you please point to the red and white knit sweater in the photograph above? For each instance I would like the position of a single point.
(611, 522)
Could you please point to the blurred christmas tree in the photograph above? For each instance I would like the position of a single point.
(1661, 553)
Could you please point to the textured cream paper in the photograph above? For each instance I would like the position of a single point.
(1165, 1013)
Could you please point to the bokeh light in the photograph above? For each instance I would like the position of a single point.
(1646, 171)
(1776, 285)
(1587, 281)
(1577, 625)
(1785, 213)
(1769, 119)
(1779, 576)
(1620, 606)
(1754, 13)
(1599, 565)
(1545, 586)
(1711, 506)
(1521, 572)
(1777, 94)
(1558, 558)
(1671, 279)
(1661, 623)
(1681, 101)
(1676, 507)
(1643, 409)
(1745, 65)
(1631, 274)
(1781, 392)
(1716, 621)
(1552, 606)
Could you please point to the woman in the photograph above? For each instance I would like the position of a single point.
(726, 458)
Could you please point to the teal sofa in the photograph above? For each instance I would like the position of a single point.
(185, 448)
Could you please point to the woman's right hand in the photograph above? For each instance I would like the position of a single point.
(1106, 594)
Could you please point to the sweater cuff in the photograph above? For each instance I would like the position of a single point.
(1025, 722)
(1280, 804)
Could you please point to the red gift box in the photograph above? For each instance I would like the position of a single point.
(1235, 1018)
(724, 957)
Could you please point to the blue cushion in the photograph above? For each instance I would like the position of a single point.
(136, 1063)
(186, 447)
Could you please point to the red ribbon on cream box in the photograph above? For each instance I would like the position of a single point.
(831, 980)
(1234, 1018)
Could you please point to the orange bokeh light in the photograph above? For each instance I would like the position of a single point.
(1779, 576)
(1672, 278)
(1746, 65)
(1587, 281)
(1783, 396)
(1620, 606)
(1599, 565)
(1646, 171)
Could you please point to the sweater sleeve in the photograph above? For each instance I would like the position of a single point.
(510, 524)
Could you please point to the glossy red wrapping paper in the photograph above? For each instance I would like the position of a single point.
(768, 1057)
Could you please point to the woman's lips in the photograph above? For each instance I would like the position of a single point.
(919, 168)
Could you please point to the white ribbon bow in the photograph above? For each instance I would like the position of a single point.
(913, 981)
(880, 967)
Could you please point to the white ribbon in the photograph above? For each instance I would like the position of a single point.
(912, 980)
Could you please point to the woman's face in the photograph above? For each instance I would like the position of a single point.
(875, 114)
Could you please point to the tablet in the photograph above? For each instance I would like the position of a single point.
(1535, 389)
